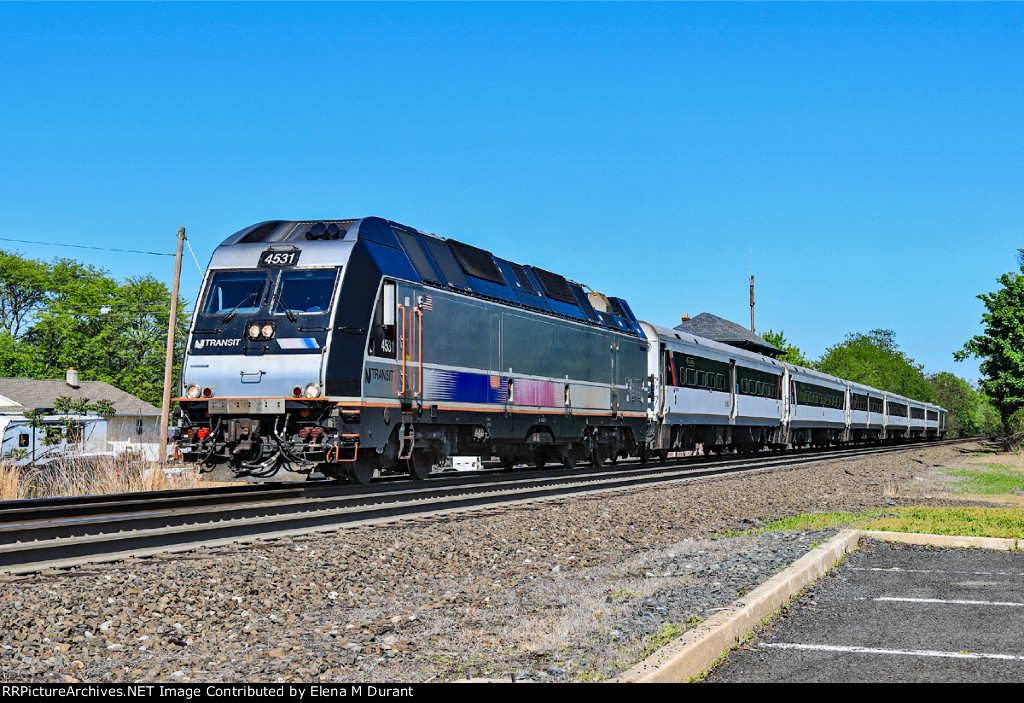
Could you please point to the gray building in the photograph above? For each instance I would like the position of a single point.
(721, 330)
(134, 420)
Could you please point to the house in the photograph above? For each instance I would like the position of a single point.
(721, 330)
(134, 425)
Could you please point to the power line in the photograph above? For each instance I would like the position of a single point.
(194, 257)
(82, 246)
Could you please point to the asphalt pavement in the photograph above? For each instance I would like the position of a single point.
(892, 612)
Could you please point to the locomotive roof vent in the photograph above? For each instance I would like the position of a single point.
(321, 230)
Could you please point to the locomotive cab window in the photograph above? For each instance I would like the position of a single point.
(235, 291)
(305, 291)
(382, 333)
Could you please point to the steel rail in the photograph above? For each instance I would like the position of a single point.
(25, 548)
(32, 512)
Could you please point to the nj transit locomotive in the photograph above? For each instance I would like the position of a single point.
(350, 348)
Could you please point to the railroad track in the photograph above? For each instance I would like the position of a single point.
(63, 532)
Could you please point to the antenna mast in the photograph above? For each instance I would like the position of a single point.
(751, 302)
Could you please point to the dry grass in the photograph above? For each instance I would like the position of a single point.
(72, 476)
(891, 490)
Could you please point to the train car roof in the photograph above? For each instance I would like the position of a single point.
(445, 263)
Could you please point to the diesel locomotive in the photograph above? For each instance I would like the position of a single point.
(356, 348)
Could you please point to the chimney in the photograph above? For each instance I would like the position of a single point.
(686, 317)
(72, 378)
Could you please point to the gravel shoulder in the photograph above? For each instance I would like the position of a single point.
(571, 590)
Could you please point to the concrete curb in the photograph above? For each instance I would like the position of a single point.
(698, 649)
(997, 543)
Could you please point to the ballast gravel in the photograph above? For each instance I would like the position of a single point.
(578, 589)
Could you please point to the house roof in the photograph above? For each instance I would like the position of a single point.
(21, 394)
(718, 329)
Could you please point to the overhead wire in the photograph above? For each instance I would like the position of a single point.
(83, 246)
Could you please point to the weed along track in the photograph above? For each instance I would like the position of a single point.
(575, 587)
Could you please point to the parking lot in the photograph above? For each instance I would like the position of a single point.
(896, 612)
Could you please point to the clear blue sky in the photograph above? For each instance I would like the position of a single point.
(865, 160)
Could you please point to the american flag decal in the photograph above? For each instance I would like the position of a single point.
(427, 303)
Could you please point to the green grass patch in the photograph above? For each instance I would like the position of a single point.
(991, 479)
(809, 521)
(970, 522)
(668, 633)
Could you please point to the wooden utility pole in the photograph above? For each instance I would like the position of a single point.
(751, 302)
(165, 409)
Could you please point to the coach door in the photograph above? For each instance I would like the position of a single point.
(733, 409)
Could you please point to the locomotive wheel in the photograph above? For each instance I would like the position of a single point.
(540, 458)
(643, 456)
(598, 455)
(419, 466)
(507, 463)
(662, 455)
(360, 472)
(569, 459)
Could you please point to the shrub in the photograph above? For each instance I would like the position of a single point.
(1015, 431)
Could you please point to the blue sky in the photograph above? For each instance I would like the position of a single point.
(865, 161)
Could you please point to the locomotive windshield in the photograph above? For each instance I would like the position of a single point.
(235, 292)
(305, 291)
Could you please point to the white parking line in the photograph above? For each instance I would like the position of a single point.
(900, 652)
(951, 602)
(896, 569)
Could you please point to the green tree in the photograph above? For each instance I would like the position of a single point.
(876, 360)
(23, 286)
(791, 354)
(970, 412)
(1001, 346)
(109, 330)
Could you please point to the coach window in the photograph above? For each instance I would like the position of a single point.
(743, 385)
(700, 379)
(720, 378)
(691, 377)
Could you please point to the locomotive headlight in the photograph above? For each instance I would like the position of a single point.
(254, 331)
(268, 331)
(192, 392)
(312, 390)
